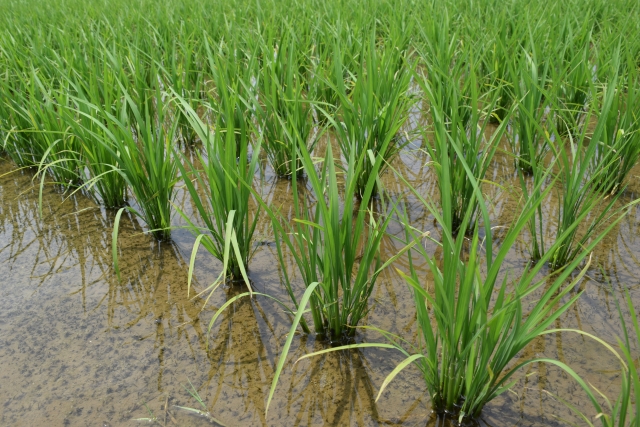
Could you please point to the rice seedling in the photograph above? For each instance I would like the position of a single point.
(101, 158)
(531, 186)
(147, 164)
(56, 149)
(40, 137)
(284, 113)
(139, 77)
(16, 142)
(233, 67)
(619, 147)
(143, 150)
(336, 253)
(204, 412)
(571, 79)
(328, 243)
(372, 114)
(150, 419)
(499, 51)
(456, 121)
(528, 140)
(104, 178)
(5, 120)
(324, 78)
(321, 91)
(446, 74)
(184, 78)
(225, 207)
(580, 179)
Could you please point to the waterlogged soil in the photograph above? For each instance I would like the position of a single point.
(79, 347)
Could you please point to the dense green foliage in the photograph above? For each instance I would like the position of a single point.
(104, 96)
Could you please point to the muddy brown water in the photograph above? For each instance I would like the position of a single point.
(80, 348)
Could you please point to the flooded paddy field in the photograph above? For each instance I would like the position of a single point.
(80, 347)
(331, 213)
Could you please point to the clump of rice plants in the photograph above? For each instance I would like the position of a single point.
(285, 114)
(528, 140)
(585, 167)
(100, 101)
(335, 244)
(336, 251)
(580, 178)
(143, 150)
(372, 112)
(619, 147)
(571, 79)
(98, 151)
(457, 121)
(220, 190)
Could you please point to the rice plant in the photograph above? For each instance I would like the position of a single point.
(336, 251)
(220, 191)
(372, 113)
(147, 163)
(619, 147)
(185, 78)
(579, 177)
(204, 412)
(334, 248)
(447, 72)
(62, 157)
(571, 80)
(499, 51)
(528, 140)
(321, 91)
(143, 150)
(285, 114)
(44, 139)
(233, 65)
(98, 150)
(454, 124)
(324, 78)
(140, 78)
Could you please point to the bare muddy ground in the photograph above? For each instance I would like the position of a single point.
(78, 347)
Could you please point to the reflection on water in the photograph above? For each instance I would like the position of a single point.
(79, 347)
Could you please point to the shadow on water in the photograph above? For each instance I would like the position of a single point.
(80, 347)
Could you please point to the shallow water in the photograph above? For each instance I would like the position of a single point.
(78, 347)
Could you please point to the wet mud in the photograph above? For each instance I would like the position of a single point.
(79, 347)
